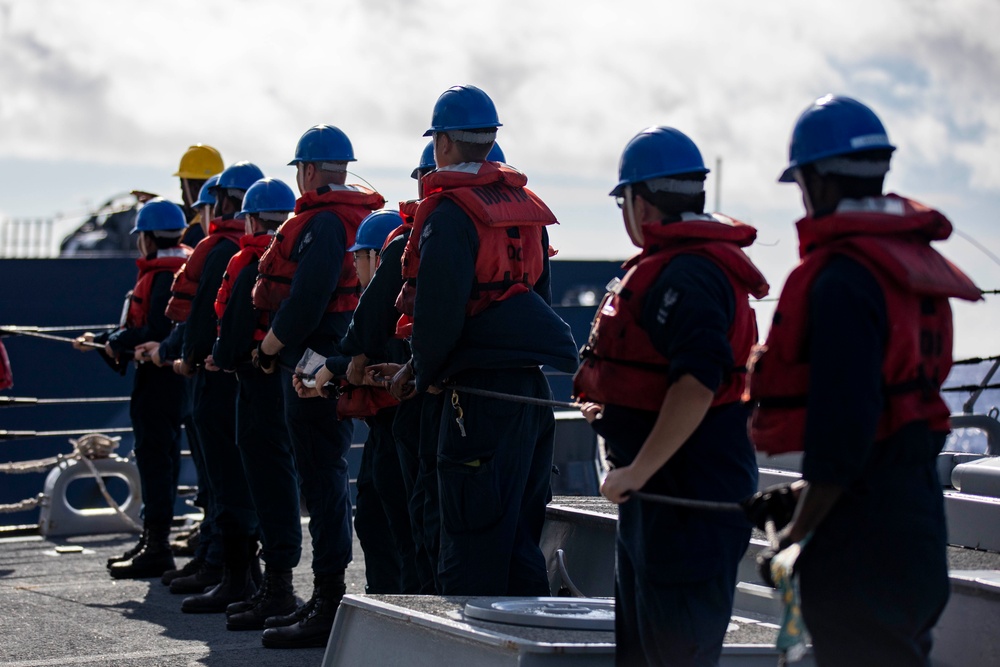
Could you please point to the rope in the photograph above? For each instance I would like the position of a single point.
(14, 331)
(37, 465)
(80, 327)
(17, 401)
(107, 496)
(690, 503)
(24, 505)
(17, 435)
(530, 400)
(90, 446)
(971, 387)
(973, 360)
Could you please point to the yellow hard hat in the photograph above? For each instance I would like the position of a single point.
(200, 161)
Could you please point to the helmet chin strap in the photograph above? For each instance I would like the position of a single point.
(632, 226)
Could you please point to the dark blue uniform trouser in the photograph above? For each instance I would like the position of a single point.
(669, 622)
(156, 409)
(494, 484)
(416, 429)
(874, 576)
(269, 465)
(209, 542)
(215, 418)
(382, 518)
(321, 442)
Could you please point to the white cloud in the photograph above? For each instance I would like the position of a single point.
(122, 82)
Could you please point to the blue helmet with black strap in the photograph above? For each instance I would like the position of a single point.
(657, 152)
(835, 126)
(238, 176)
(463, 108)
(375, 229)
(205, 195)
(268, 195)
(323, 143)
(159, 215)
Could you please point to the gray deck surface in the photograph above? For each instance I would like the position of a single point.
(66, 610)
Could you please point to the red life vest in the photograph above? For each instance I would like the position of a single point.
(252, 246)
(508, 219)
(891, 238)
(6, 376)
(186, 280)
(360, 402)
(138, 299)
(408, 211)
(619, 363)
(351, 205)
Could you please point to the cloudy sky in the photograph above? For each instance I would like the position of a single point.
(103, 96)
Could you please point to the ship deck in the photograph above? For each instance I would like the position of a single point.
(60, 607)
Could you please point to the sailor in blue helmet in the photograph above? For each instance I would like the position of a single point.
(309, 285)
(477, 289)
(205, 204)
(860, 343)
(192, 303)
(664, 370)
(381, 516)
(158, 395)
(261, 434)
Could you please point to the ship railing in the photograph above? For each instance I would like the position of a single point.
(26, 238)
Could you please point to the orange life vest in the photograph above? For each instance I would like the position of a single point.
(351, 205)
(619, 363)
(252, 246)
(6, 376)
(138, 299)
(890, 236)
(408, 211)
(186, 280)
(361, 402)
(508, 219)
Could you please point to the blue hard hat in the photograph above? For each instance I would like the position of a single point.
(158, 215)
(426, 160)
(266, 195)
(323, 143)
(657, 152)
(463, 108)
(205, 196)
(833, 125)
(375, 229)
(239, 176)
(496, 154)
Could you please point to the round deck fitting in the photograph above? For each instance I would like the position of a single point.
(565, 613)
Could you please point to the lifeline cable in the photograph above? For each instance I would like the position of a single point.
(18, 401)
(79, 327)
(690, 503)
(17, 435)
(31, 333)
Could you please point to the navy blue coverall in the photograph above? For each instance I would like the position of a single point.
(156, 409)
(215, 403)
(493, 479)
(892, 512)
(261, 434)
(676, 568)
(319, 439)
(382, 518)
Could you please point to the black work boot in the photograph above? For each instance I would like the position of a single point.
(191, 567)
(132, 551)
(152, 560)
(206, 576)
(236, 584)
(275, 597)
(313, 631)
